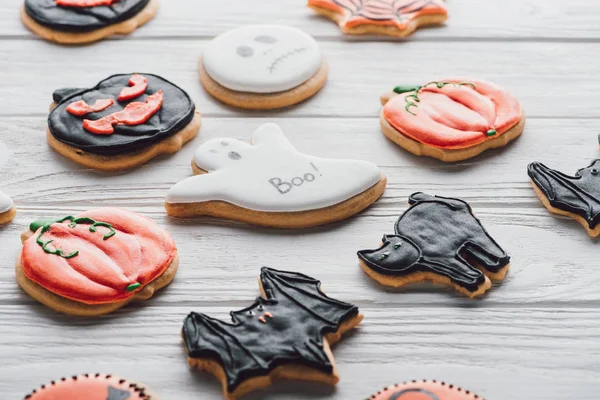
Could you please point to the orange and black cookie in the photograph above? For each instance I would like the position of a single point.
(424, 390)
(438, 239)
(91, 387)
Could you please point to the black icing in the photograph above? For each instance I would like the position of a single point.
(579, 194)
(176, 112)
(400, 395)
(439, 235)
(81, 19)
(246, 348)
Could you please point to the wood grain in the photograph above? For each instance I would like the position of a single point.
(536, 336)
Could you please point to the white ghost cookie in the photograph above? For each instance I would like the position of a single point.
(263, 67)
(7, 209)
(270, 183)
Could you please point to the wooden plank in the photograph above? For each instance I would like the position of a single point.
(496, 184)
(469, 20)
(550, 79)
(498, 353)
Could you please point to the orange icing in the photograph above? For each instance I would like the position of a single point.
(425, 390)
(455, 116)
(90, 387)
(380, 12)
(139, 252)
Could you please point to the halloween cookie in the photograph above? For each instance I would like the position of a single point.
(85, 21)
(451, 120)
(438, 239)
(91, 387)
(263, 67)
(382, 17)
(286, 333)
(96, 262)
(7, 209)
(270, 183)
(124, 121)
(424, 390)
(577, 197)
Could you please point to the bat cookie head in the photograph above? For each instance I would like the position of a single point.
(438, 239)
(262, 58)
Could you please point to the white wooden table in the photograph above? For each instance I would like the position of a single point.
(534, 337)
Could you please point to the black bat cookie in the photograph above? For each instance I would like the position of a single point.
(288, 327)
(81, 19)
(437, 239)
(577, 196)
(175, 113)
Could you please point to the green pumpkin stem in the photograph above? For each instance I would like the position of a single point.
(413, 99)
(133, 286)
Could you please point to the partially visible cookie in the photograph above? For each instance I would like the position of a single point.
(439, 240)
(452, 119)
(7, 209)
(577, 197)
(91, 387)
(424, 390)
(382, 17)
(263, 67)
(85, 21)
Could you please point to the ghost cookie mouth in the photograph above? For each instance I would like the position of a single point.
(284, 57)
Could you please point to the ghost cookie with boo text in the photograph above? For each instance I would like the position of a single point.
(85, 21)
(122, 122)
(96, 262)
(269, 183)
(439, 240)
(91, 387)
(577, 197)
(7, 209)
(451, 120)
(285, 333)
(397, 18)
(262, 67)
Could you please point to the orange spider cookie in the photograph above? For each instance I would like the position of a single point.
(91, 387)
(384, 17)
(424, 390)
(451, 120)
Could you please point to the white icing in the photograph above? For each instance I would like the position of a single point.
(262, 58)
(271, 175)
(6, 203)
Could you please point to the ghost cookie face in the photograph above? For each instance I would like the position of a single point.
(96, 262)
(91, 387)
(7, 209)
(263, 67)
(382, 17)
(424, 390)
(122, 122)
(270, 183)
(577, 197)
(85, 21)
(438, 239)
(451, 120)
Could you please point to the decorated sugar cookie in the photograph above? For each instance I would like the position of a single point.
(438, 239)
(96, 262)
(270, 183)
(123, 122)
(382, 17)
(91, 387)
(85, 21)
(7, 209)
(263, 67)
(286, 333)
(451, 120)
(425, 390)
(577, 197)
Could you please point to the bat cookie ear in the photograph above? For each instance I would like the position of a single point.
(271, 135)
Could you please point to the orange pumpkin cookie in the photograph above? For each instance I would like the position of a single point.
(96, 262)
(91, 387)
(424, 390)
(383, 17)
(451, 120)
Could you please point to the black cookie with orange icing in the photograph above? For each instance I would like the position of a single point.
(424, 390)
(65, 16)
(91, 387)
